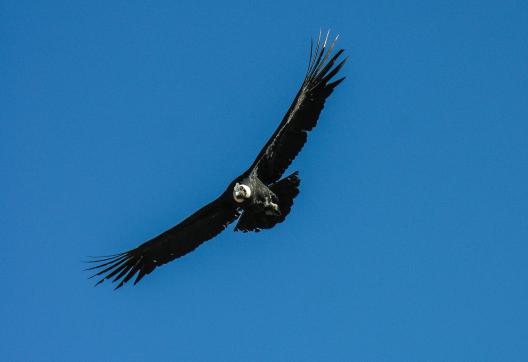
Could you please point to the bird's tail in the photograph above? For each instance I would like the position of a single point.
(286, 190)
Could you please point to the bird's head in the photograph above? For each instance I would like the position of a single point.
(241, 192)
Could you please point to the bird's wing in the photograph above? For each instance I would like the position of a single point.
(290, 136)
(183, 238)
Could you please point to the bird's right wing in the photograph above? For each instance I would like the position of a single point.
(292, 133)
(183, 238)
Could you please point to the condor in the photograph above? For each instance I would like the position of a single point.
(259, 198)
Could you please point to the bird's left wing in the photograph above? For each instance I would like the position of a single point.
(183, 238)
(291, 135)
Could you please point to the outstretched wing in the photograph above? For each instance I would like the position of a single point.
(203, 225)
(291, 135)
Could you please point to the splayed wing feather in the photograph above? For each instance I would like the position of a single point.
(98, 259)
(113, 260)
(115, 264)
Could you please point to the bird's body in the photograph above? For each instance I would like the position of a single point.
(259, 198)
(267, 205)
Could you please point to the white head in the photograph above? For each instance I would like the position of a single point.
(241, 193)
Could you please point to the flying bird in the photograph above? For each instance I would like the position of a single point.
(259, 198)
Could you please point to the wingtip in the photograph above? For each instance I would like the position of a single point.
(99, 282)
(336, 83)
(102, 258)
(326, 38)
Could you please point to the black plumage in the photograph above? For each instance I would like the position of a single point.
(259, 197)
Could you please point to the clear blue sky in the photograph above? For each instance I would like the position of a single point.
(409, 240)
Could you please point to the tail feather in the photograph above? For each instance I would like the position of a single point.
(286, 190)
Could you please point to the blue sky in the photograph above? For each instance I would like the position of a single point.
(409, 240)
